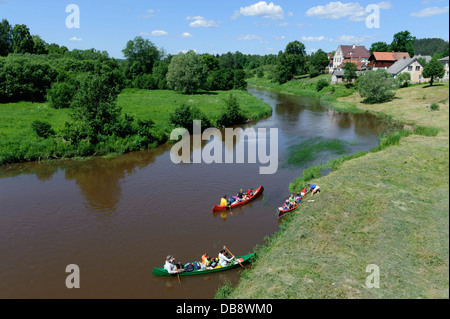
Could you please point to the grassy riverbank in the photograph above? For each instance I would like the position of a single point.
(388, 208)
(19, 143)
(308, 87)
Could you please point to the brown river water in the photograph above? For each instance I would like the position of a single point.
(118, 218)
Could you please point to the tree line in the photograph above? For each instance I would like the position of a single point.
(404, 42)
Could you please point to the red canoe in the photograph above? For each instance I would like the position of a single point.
(284, 212)
(256, 193)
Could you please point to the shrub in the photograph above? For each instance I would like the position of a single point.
(426, 131)
(184, 116)
(232, 114)
(60, 95)
(403, 79)
(42, 129)
(376, 86)
(313, 72)
(260, 73)
(434, 107)
(322, 83)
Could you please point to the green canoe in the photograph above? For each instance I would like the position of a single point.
(242, 259)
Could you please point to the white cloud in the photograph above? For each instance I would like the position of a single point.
(279, 38)
(201, 22)
(352, 39)
(186, 35)
(261, 9)
(314, 39)
(428, 12)
(337, 10)
(385, 5)
(186, 51)
(75, 39)
(150, 13)
(249, 37)
(154, 33)
(159, 32)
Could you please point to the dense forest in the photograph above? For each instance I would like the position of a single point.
(432, 46)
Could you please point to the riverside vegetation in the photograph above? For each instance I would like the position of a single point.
(35, 131)
(58, 103)
(387, 207)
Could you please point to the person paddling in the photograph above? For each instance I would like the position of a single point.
(223, 259)
(171, 267)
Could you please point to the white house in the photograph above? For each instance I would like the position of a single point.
(444, 61)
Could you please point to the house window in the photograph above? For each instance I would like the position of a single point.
(410, 68)
(417, 68)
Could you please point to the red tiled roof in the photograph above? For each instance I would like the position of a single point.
(400, 55)
(359, 51)
(390, 56)
(357, 62)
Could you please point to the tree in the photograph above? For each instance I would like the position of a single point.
(141, 55)
(376, 86)
(349, 71)
(22, 39)
(431, 46)
(295, 48)
(403, 79)
(291, 62)
(187, 73)
(39, 45)
(55, 50)
(232, 114)
(403, 42)
(95, 113)
(212, 63)
(379, 47)
(160, 69)
(5, 38)
(239, 80)
(25, 79)
(319, 60)
(433, 69)
(260, 73)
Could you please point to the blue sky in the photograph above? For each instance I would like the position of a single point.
(211, 26)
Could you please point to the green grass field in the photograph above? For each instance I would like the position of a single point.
(18, 142)
(388, 208)
(158, 104)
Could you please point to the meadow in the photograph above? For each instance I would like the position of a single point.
(19, 142)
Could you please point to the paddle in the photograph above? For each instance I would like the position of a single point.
(234, 257)
(179, 280)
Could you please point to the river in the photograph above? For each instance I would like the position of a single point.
(118, 218)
